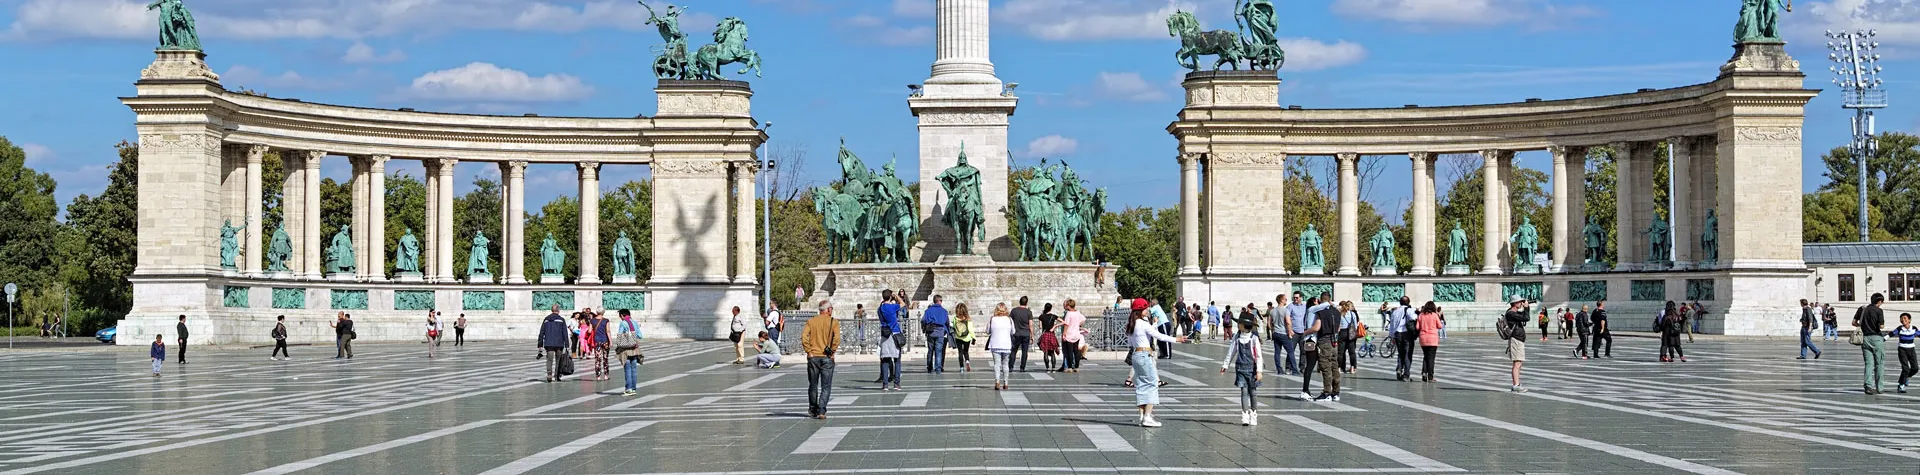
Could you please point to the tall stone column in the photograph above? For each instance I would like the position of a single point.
(1508, 260)
(1680, 194)
(589, 223)
(1491, 239)
(1625, 223)
(1560, 204)
(445, 214)
(377, 218)
(515, 251)
(361, 186)
(292, 207)
(1190, 213)
(430, 244)
(1349, 214)
(745, 218)
(310, 236)
(961, 43)
(1577, 205)
(1423, 208)
(256, 210)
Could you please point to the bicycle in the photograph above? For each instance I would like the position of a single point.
(1370, 350)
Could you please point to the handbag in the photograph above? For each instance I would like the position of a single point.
(433, 333)
(1857, 338)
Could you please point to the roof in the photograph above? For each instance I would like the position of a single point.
(1861, 253)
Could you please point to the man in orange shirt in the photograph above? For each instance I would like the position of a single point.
(820, 339)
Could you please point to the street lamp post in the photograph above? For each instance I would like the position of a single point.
(766, 225)
(1857, 71)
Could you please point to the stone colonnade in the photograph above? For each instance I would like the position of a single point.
(1735, 151)
(202, 163)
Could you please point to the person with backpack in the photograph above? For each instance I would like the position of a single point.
(628, 344)
(553, 340)
(1543, 324)
(1403, 330)
(1326, 330)
(1673, 321)
(1808, 324)
(158, 353)
(963, 337)
(280, 339)
(1869, 320)
(1513, 328)
(1243, 357)
(774, 322)
(602, 344)
(934, 322)
(1582, 327)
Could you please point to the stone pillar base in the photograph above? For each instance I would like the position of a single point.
(1386, 270)
(410, 277)
(342, 277)
(626, 279)
(553, 279)
(1313, 270)
(1526, 270)
(1421, 271)
(480, 278)
(588, 280)
(1457, 270)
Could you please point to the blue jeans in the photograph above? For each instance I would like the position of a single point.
(1833, 332)
(1806, 343)
(632, 368)
(1284, 361)
(937, 352)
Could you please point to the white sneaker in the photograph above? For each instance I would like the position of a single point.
(1336, 398)
(1253, 418)
(1305, 397)
(1149, 422)
(1244, 419)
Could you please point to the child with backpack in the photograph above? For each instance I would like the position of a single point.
(1243, 357)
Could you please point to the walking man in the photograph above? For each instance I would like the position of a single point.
(1869, 321)
(1022, 334)
(1296, 326)
(181, 330)
(774, 321)
(342, 336)
(1401, 331)
(280, 339)
(934, 322)
(1583, 326)
(1326, 329)
(1808, 324)
(460, 330)
(1601, 330)
(553, 341)
(1213, 319)
(820, 338)
(1161, 321)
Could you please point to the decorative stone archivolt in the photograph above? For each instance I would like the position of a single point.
(1769, 134)
(689, 167)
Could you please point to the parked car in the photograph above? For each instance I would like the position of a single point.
(105, 335)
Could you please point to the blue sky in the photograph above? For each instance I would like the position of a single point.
(1098, 83)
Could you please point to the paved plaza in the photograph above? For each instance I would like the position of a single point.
(1741, 406)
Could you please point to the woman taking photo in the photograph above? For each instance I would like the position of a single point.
(1146, 388)
(1000, 344)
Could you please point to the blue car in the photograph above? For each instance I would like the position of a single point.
(106, 335)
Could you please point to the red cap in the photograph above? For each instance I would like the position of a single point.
(1139, 304)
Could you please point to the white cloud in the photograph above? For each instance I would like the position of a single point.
(913, 8)
(493, 84)
(351, 19)
(1897, 21)
(242, 76)
(869, 28)
(1128, 86)
(1052, 146)
(1535, 13)
(37, 153)
(1092, 19)
(360, 53)
(1307, 54)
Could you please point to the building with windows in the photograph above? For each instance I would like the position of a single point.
(1848, 274)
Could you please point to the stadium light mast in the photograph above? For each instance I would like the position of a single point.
(1857, 71)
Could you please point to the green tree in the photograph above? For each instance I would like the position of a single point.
(406, 210)
(628, 208)
(1306, 202)
(336, 211)
(1602, 177)
(477, 211)
(273, 176)
(28, 228)
(98, 249)
(1893, 192)
(561, 219)
(1137, 242)
(1832, 215)
(799, 245)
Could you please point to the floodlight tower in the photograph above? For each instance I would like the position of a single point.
(1857, 71)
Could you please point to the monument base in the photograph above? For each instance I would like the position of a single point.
(553, 279)
(1591, 267)
(1457, 270)
(1385, 270)
(230, 272)
(341, 277)
(479, 278)
(1313, 270)
(625, 279)
(410, 278)
(976, 280)
(1526, 270)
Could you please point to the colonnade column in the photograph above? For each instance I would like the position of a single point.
(745, 218)
(377, 217)
(444, 222)
(589, 223)
(1680, 195)
(430, 244)
(1423, 207)
(310, 238)
(515, 251)
(255, 209)
(1560, 204)
(1623, 218)
(1189, 213)
(1491, 238)
(361, 187)
(293, 198)
(1349, 214)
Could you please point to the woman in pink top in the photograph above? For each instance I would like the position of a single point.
(1430, 325)
(1072, 335)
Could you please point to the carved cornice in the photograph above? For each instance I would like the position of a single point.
(684, 168)
(962, 118)
(1767, 134)
(208, 142)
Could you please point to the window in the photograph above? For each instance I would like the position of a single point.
(1896, 287)
(1846, 288)
(1913, 286)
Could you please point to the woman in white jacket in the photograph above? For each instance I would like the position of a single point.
(1000, 344)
